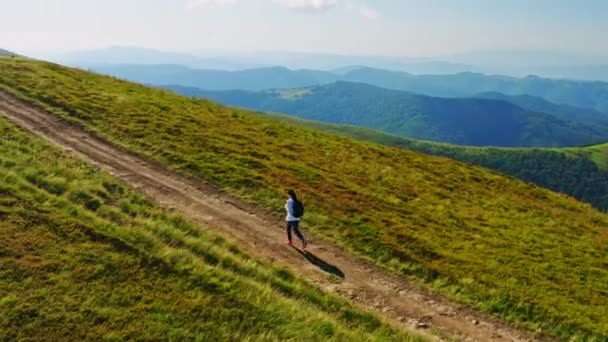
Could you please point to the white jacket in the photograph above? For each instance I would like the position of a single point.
(289, 209)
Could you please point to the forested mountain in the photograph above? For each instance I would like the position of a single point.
(463, 121)
(584, 94)
(538, 104)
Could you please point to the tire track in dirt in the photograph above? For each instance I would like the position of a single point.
(395, 298)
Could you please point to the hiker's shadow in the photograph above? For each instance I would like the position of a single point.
(322, 264)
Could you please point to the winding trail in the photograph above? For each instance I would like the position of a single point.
(398, 300)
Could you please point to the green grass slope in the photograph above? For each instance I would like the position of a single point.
(507, 247)
(82, 257)
(560, 170)
(463, 121)
(580, 172)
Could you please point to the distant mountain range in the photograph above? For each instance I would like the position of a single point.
(593, 95)
(518, 63)
(463, 121)
(134, 55)
(575, 93)
(239, 61)
(538, 104)
(251, 79)
(548, 63)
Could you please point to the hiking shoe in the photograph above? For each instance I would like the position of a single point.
(289, 243)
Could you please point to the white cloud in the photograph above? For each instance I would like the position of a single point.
(368, 12)
(307, 5)
(296, 5)
(209, 3)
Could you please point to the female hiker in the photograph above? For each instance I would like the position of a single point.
(295, 210)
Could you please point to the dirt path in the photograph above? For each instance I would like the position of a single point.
(363, 284)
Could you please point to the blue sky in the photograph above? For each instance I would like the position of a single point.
(383, 27)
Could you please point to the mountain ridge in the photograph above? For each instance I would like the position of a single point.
(564, 112)
(464, 121)
(514, 62)
(271, 77)
(584, 94)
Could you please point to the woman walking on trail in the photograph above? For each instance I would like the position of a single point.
(295, 210)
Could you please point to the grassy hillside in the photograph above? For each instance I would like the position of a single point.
(82, 257)
(466, 121)
(574, 174)
(530, 255)
(580, 172)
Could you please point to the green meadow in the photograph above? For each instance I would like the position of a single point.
(532, 256)
(580, 172)
(83, 257)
